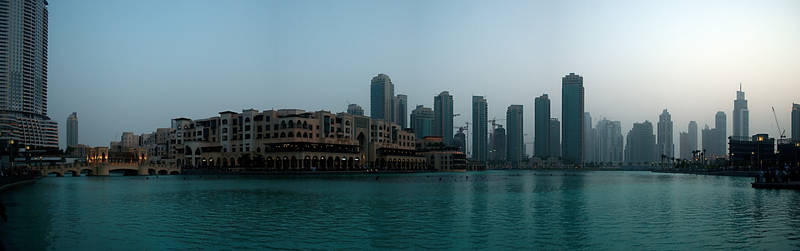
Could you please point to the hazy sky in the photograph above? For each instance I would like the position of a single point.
(134, 65)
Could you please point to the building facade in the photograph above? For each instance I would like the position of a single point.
(692, 144)
(609, 141)
(741, 116)
(292, 140)
(665, 145)
(720, 135)
(555, 138)
(23, 75)
(589, 149)
(355, 109)
(641, 144)
(443, 116)
(381, 97)
(422, 121)
(541, 135)
(515, 153)
(480, 129)
(572, 95)
(401, 110)
(795, 122)
(72, 130)
(497, 154)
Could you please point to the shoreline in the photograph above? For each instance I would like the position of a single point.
(16, 183)
(710, 172)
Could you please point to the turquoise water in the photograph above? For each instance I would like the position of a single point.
(494, 209)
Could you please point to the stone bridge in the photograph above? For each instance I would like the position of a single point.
(104, 169)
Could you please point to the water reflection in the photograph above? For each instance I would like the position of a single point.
(495, 209)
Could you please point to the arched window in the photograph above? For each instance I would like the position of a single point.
(283, 124)
(291, 135)
(283, 135)
(247, 120)
(291, 124)
(305, 125)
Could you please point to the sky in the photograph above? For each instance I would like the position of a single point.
(135, 65)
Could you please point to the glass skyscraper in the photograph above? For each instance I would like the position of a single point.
(480, 128)
(443, 117)
(572, 118)
(541, 128)
(381, 98)
(23, 75)
(514, 135)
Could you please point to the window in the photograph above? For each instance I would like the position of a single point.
(247, 136)
(224, 121)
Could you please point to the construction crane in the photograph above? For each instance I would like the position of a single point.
(494, 124)
(782, 133)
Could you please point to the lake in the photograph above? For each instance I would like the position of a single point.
(473, 210)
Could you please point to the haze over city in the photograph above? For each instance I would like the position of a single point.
(130, 67)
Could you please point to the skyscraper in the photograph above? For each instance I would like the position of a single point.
(588, 139)
(401, 110)
(708, 140)
(72, 129)
(741, 116)
(480, 128)
(555, 138)
(355, 109)
(541, 126)
(692, 139)
(23, 75)
(514, 138)
(572, 116)
(683, 140)
(422, 121)
(443, 116)
(609, 141)
(640, 146)
(665, 147)
(795, 122)
(381, 98)
(720, 134)
(498, 153)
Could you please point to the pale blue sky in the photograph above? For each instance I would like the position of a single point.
(134, 65)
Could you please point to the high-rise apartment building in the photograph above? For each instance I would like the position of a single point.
(23, 75)
(72, 130)
(514, 138)
(555, 138)
(443, 116)
(588, 139)
(741, 116)
(641, 143)
(692, 137)
(400, 110)
(795, 122)
(609, 141)
(541, 128)
(665, 145)
(422, 121)
(355, 109)
(572, 118)
(480, 124)
(381, 98)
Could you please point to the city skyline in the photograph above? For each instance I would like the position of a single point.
(692, 70)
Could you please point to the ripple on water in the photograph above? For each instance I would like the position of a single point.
(495, 209)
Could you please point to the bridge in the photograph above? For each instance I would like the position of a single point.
(105, 168)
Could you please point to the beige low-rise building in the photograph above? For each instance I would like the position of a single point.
(292, 139)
